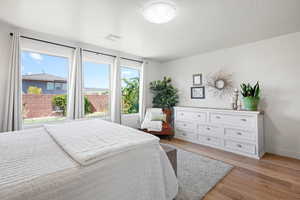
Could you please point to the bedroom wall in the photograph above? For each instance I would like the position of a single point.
(153, 72)
(275, 63)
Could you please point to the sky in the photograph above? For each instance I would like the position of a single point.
(95, 75)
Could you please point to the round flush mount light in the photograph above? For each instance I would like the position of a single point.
(159, 11)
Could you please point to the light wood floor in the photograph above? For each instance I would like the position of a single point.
(271, 178)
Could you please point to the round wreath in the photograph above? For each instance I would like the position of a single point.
(220, 83)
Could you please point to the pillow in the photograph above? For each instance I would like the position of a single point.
(155, 116)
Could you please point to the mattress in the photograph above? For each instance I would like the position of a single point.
(141, 173)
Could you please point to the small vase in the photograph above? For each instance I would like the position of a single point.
(251, 103)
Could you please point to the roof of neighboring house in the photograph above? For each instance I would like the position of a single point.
(43, 77)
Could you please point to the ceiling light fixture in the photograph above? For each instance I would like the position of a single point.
(160, 11)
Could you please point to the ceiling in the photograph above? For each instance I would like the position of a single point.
(201, 25)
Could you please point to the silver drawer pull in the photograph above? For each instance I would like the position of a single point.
(199, 115)
(182, 114)
(239, 145)
(184, 125)
(208, 139)
(244, 120)
(184, 134)
(239, 133)
(218, 117)
(208, 129)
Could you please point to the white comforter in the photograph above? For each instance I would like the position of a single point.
(33, 167)
(88, 141)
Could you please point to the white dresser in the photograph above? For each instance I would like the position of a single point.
(239, 132)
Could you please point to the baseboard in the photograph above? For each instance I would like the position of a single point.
(286, 153)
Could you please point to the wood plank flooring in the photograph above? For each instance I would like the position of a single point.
(271, 178)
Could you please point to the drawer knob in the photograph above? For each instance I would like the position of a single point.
(182, 113)
(239, 146)
(208, 139)
(239, 133)
(184, 124)
(244, 120)
(208, 129)
(199, 115)
(184, 134)
(218, 117)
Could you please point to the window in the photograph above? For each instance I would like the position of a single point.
(97, 89)
(50, 86)
(58, 86)
(130, 78)
(41, 100)
(64, 86)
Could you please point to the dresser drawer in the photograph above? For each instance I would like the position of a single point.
(190, 136)
(209, 140)
(234, 120)
(185, 126)
(191, 116)
(239, 134)
(240, 146)
(210, 130)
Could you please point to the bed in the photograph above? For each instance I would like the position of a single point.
(84, 160)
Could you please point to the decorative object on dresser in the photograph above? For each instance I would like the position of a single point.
(197, 79)
(251, 96)
(198, 92)
(235, 99)
(220, 84)
(239, 132)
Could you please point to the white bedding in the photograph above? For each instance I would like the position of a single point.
(140, 173)
(88, 141)
(28, 154)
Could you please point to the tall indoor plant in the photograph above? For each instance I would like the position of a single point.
(251, 96)
(165, 95)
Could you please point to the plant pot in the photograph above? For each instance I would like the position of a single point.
(168, 112)
(251, 103)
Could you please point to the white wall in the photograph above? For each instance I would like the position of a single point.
(275, 63)
(153, 72)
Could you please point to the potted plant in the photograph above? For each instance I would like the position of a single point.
(251, 96)
(165, 95)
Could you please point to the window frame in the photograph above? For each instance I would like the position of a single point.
(49, 50)
(98, 60)
(140, 71)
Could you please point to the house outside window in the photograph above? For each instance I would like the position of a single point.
(50, 86)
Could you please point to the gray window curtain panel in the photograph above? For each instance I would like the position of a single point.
(12, 119)
(116, 92)
(75, 106)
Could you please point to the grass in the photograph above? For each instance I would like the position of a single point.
(41, 120)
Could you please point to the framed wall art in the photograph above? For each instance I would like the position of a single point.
(197, 79)
(198, 92)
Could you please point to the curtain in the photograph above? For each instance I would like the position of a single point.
(13, 104)
(75, 97)
(142, 92)
(116, 92)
